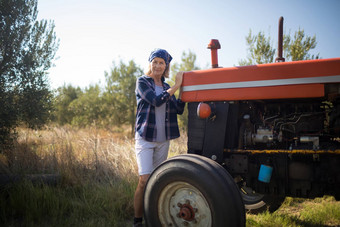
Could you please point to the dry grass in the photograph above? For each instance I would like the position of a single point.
(99, 175)
(77, 154)
(105, 153)
(98, 171)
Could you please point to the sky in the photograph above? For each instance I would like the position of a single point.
(95, 34)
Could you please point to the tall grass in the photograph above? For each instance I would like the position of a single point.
(98, 177)
(77, 154)
(87, 205)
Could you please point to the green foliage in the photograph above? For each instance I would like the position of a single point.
(79, 107)
(188, 63)
(114, 105)
(298, 48)
(27, 49)
(87, 109)
(260, 49)
(65, 95)
(120, 92)
(295, 48)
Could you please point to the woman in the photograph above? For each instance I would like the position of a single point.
(156, 121)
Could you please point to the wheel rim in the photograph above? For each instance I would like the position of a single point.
(181, 204)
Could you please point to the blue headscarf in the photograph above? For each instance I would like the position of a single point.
(160, 53)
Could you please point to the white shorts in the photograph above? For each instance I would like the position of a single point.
(150, 154)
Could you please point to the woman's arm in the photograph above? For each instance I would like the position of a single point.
(146, 93)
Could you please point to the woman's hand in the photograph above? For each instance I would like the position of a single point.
(178, 83)
(179, 79)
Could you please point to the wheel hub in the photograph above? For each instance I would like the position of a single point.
(181, 204)
(186, 212)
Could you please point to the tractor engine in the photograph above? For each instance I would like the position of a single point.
(287, 125)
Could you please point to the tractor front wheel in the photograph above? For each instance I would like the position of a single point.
(191, 190)
(257, 203)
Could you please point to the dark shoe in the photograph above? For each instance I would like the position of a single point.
(138, 224)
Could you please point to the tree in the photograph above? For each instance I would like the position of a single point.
(261, 51)
(65, 96)
(298, 48)
(27, 49)
(188, 63)
(120, 92)
(87, 108)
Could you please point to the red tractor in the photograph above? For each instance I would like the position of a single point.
(256, 134)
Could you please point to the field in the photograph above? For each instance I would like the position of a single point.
(97, 177)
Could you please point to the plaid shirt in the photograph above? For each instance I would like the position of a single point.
(146, 102)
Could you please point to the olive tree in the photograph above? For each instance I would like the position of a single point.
(27, 50)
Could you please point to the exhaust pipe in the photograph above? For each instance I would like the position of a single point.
(280, 42)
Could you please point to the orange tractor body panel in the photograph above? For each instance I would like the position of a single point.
(299, 79)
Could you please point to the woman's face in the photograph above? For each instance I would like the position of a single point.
(158, 66)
